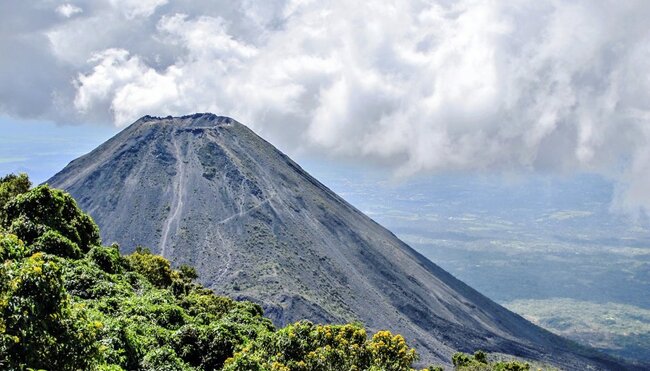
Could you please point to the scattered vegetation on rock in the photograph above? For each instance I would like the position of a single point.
(479, 362)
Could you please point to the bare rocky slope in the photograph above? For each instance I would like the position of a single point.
(205, 190)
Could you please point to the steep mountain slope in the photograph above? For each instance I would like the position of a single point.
(205, 190)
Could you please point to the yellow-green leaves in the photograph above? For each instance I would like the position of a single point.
(305, 346)
(154, 268)
(39, 327)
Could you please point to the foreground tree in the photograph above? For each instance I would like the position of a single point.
(11, 186)
(39, 326)
(49, 213)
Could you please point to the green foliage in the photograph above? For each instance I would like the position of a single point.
(306, 346)
(154, 268)
(68, 303)
(390, 352)
(30, 215)
(510, 366)
(52, 242)
(187, 272)
(84, 279)
(11, 247)
(108, 258)
(480, 356)
(38, 325)
(11, 186)
(461, 359)
(163, 359)
(480, 362)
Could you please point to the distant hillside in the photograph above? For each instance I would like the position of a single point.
(206, 191)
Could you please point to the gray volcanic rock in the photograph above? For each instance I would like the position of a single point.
(205, 190)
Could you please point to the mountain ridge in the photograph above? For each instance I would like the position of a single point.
(205, 190)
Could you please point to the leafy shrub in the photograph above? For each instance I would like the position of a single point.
(197, 303)
(187, 272)
(186, 342)
(154, 268)
(38, 325)
(30, 215)
(510, 366)
(52, 242)
(480, 362)
(219, 342)
(11, 186)
(85, 280)
(11, 247)
(305, 346)
(390, 352)
(107, 258)
(480, 356)
(461, 359)
(163, 359)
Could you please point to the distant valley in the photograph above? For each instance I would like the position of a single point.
(620, 329)
(541, 241)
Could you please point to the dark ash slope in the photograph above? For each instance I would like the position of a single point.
(206, 191)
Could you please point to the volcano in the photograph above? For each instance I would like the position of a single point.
(206, 191)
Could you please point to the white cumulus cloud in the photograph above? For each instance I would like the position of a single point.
(68, 10)
(420, 86)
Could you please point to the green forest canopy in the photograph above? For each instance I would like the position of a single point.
(69, 303)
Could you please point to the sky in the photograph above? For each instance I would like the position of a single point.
(42, 148)
(414, 87)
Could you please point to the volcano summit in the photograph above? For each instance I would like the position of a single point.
(204, 190)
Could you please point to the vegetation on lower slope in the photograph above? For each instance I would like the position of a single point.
(480, 361)
(69, 303)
